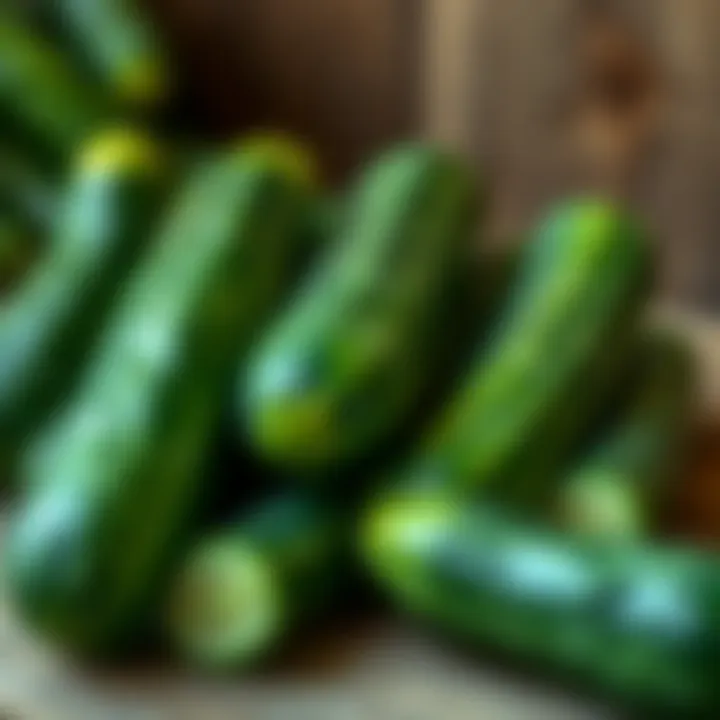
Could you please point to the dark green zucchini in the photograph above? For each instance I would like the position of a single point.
(18, 251)
(118, 44)
(319, 230)
(557, 349)
(27, 196)
(28, 203)
(48, 326)
(117, 480)
(341, 370)
(637, 622)
(322, 217)
(620, 487)
(46, 108)
(245, 588)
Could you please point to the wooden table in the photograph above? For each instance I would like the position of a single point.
(363, 668)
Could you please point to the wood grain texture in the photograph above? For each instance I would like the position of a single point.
(499, 64)
(683, 190)
(567, 95)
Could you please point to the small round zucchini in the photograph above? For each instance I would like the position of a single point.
(243, 590)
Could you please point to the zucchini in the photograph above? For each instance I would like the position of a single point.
(343, 367)
(321, 221)
(619, 486)
(46, 108)
(117, 479)
(48, 326)
(244, 589)
(556, 350)
(639, 623)
(117, 44)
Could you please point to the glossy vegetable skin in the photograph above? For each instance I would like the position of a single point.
(637, 622)
(559, 346)
(117, 480)
(343, 367)
(50, 323)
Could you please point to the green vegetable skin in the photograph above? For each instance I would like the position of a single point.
(638, 622)
(320, 224)
(118, 479)
(619, 487)
(343, 367)
(319, 230)
(556, 350)
(18, 250)
(27, 196)
(117, 42)
(243, 590)
(49, 324)
(28, 203)
(45, 107)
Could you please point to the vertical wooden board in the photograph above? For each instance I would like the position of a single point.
(492, 75)
(530, 67)
(453, 33)
(505, 82)
(343, 73)
(681, 195)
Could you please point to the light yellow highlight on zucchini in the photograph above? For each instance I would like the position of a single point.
(226, 607)
(596, 217)
(394, 524)
(603, 503)
(284, 154)
(123, 149)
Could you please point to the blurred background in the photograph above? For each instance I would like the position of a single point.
(545, 97)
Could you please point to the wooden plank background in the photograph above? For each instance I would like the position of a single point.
(546, 97)
(568, 94)
(341, 73)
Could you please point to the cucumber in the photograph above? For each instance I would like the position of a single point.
(46, 108)
(49, 325)
(116, 482)
(243, 590)
(637, 622)
(117, 44)
(343, 367)
(557, 349)
(619, 487)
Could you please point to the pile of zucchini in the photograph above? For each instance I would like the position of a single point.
(228, 396)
